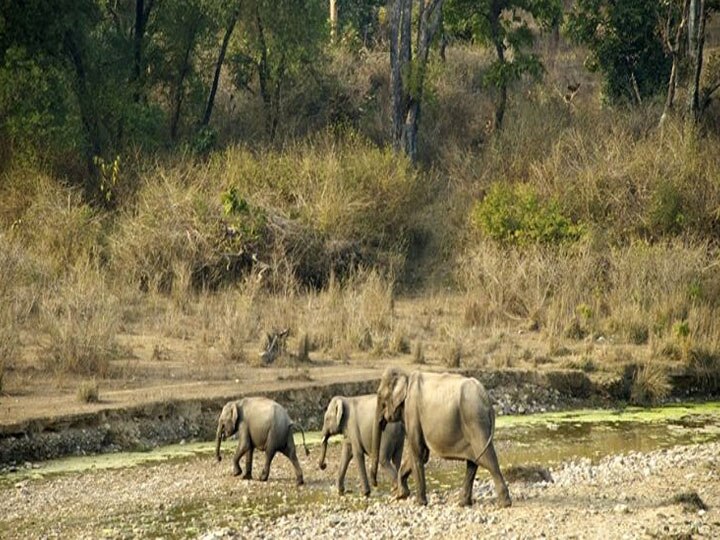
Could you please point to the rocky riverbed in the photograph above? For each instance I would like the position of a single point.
(667, 493)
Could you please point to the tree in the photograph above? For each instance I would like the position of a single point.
(407, 73)
(684, 35)
(232, 18)
(625, 44)
(281, 41)
(504, 25)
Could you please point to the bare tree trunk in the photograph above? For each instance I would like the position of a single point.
(497, 39)
(218, 67)
(674, 48)
(400, 54)
(178, 92)
(88, 115)
(408, 75)
(333, 21)
(698, 45)
(264, 78)
(142, 14)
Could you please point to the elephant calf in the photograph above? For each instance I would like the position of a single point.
(263, 424)
(354, 417)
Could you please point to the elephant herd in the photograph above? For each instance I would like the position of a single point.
(443, 413)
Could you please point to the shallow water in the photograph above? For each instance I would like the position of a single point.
(523, 439)
(552, 438)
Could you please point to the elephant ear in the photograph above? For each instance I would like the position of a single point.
(339, 412)
(231, 418)
(399, 392)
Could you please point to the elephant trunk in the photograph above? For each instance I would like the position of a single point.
(322, 463)
(218, 440)
(378, 428)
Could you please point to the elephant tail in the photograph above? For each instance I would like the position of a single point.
(298, 427)
(490, 438)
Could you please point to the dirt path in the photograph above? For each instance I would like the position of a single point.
(629, 496)
(21, 407)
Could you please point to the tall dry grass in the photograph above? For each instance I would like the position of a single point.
(80, 319)
(606, 290)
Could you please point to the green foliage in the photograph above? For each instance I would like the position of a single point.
(505, 25)
(514, 214)
(681, 329)
(278, 43)
(666, 211)
(625, 43)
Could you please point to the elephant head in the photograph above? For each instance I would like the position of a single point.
(391, 396)
(332, 425)
(227, 424)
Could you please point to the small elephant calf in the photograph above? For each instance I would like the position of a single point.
(355, 417)
(263, 424)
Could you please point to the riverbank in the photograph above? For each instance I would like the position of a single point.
(155, 419)
(668, 489)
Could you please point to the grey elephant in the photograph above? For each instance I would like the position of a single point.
(263, 424)
(354, 417)
(444, 413)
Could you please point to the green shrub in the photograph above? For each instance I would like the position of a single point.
(515, 214)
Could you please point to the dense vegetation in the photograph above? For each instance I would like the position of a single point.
(219, 151)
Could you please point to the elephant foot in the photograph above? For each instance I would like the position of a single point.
(504, 502)
(237, 471)
(366, 493)
(247, 476)
(264, 476)
(299, 481)
(465, 502)
(401, 494)
(421, 501)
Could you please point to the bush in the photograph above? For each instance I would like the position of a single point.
(81, 320)
(650, 384)
(88, 392)
(51, 221)
(514, 214)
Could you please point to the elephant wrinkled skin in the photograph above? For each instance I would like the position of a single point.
(444, 413)
(263, 424)
(354, 417)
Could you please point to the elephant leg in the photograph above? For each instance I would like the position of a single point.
(489, 461)
(419, 470)
(345, 458)
(404, 470)
(420, 455)
(243, 446)
(374, 471)
(269, 455)
(291, 453)
(360, 458)
(470, 471)
(390, 467)
(248, 464)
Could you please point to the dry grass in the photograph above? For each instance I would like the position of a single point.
(418, 353)
(88, 392)
(171, 262)
(80, 319)
(650, 384)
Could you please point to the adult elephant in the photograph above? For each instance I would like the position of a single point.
(263, 424)
(444, 413)
(354, 417)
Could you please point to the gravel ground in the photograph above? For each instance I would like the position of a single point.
(623, 496)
